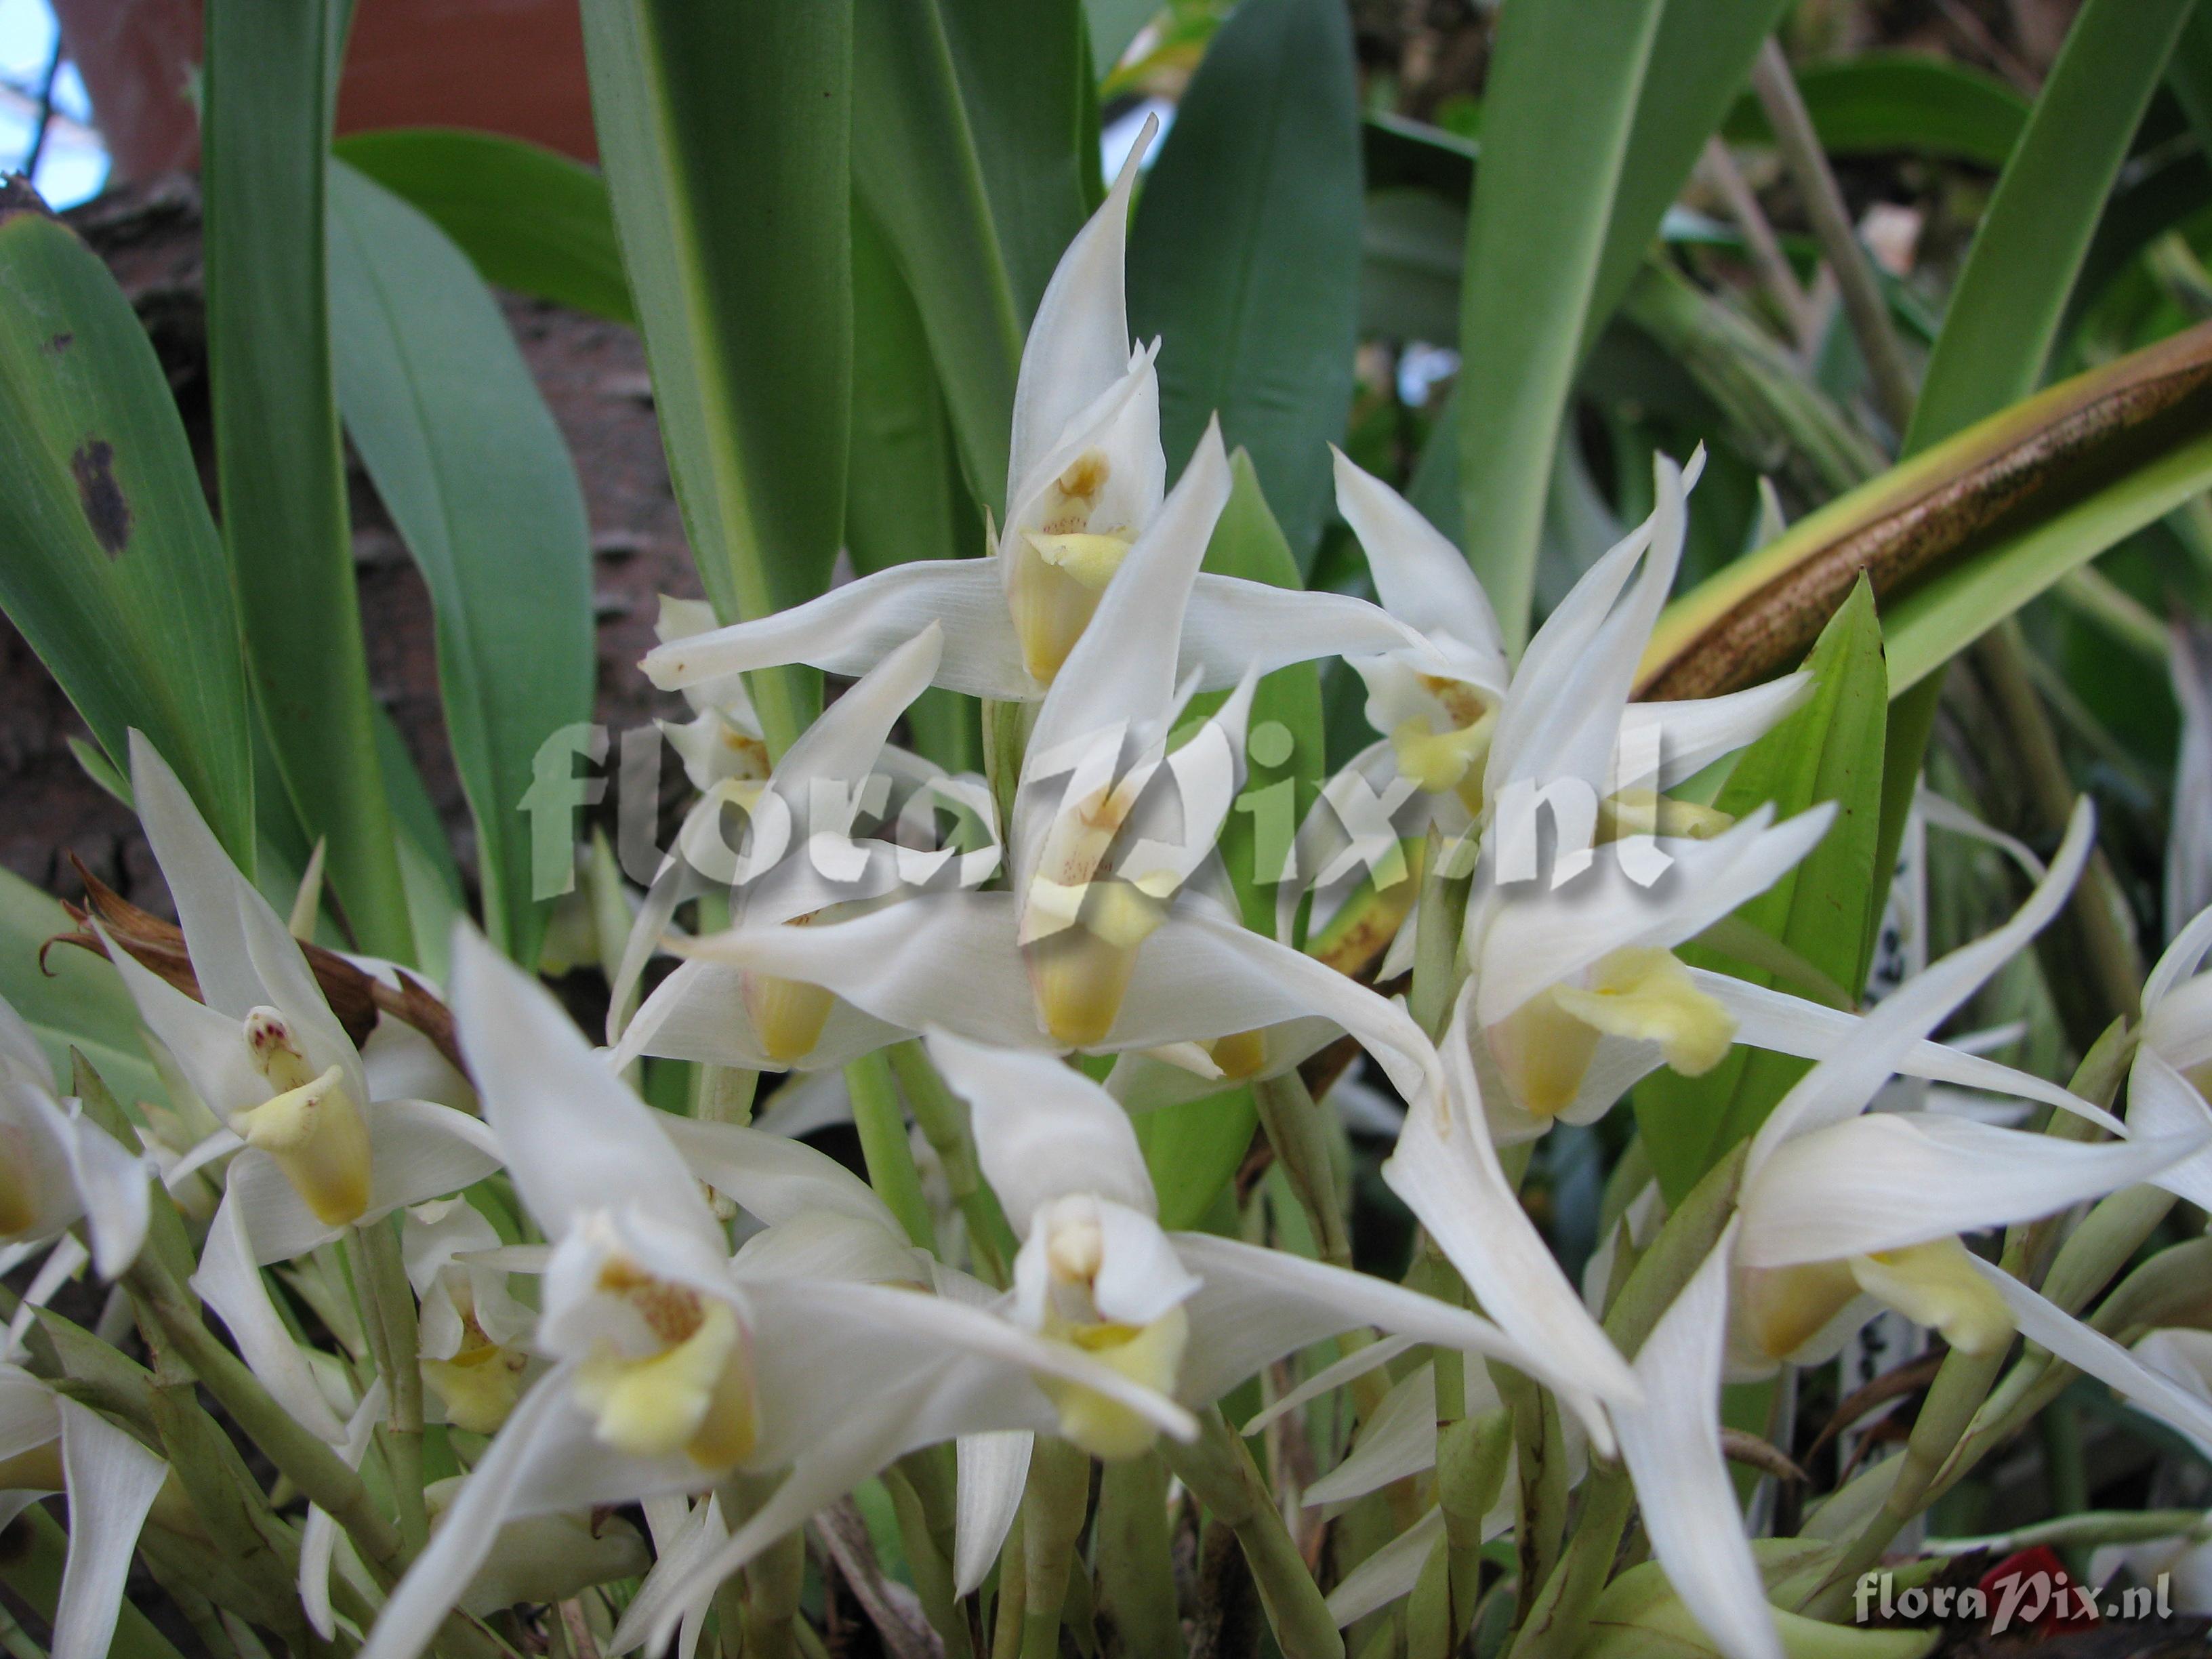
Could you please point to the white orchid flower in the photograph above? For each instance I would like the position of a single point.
(1105, 944)
(51, 1443)
(1841, 1210)
(1459, 726)
(801, 862)
(318, 1152)
(1084, 480)
(722, 742)
(471, 1332)
(671, 1366)
(1186, 1313)
(56, 1167)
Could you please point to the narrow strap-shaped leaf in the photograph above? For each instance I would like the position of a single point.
(917, 166)
(277, 454)
(725, 133)
(2003, 315)
(1242, 257)
(473, 471)
(109, 563)
(1831, 749)
(531, 220)
(1886, 101)
(1559, 108)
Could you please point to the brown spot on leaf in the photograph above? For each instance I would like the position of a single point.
(105, 508)
(58, 344)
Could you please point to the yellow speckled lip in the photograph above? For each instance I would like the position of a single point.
(1761, 613)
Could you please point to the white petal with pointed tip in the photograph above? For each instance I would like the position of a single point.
(1042, 1129)
(1672, 1445)
(1888, 1180)
(992, 1469)
(112, 1482)
(229, 1281)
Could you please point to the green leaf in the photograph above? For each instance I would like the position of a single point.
(474, 472)
(1941, 618)
(531, 219)
(73, 1000)
(1830, 749)
(1559, 105)
(1286, 737)
(109, 564)
(916, 167)
(1891, 101)
(1113, 25)
(1244, 256)
(2004, 311)
(1413, 247)
(1700, 58)
(1020, 65)
(724, 130)
(904, 498)
(1195, 1150)
(277, 454)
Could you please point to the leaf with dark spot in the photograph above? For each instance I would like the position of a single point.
(105, 508)
(60, 342)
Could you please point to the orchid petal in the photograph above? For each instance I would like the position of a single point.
(320, 1536)
(2177, 961)
(842, 745)
(991, 1469)
(1842, 1087)
(209, 1045)
(2163, 1102)
(1421, 579)
(1079, 340)
(112, 1482)
(698, 1014)
(1536, 936)
(291, 988)
(1695, 734)
(203, 884)
(1389, 1573)
(111, 1182)
(28, 1415)
(1767, 1018)
(576, 1140)
(1447, 1171)
(827, 1245)
(1672, 1445)
(1888, 1180)
(2090, 1350)
(1399, 1439)
(1042, 1129)
(229, 1281)
(1123, 666)
(1255, 1305)
(772, 1178)
(1357, 1364)
(1232, 626)
(19, 1047)
(851, 629)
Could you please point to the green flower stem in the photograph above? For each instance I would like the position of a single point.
(725, 1093)
(1136, 1571)
(1558, 1622)
(942, 1119)
(1013, 1583)
(881, 1123)
(1218, 1469)
(389, 1302)
(313, 1467)
(1540, 1514)
(922, 1503)
(1053, 1512)
(774, 1583)
(2091, 1527)
(1439, 915)
(1299, 1135)
(1471, 1457)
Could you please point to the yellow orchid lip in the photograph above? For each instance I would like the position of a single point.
(1080, 972)
(18, 1207)
(316, 1133)
(1545, 1047)
(1150, 1355)
(695, 1396)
